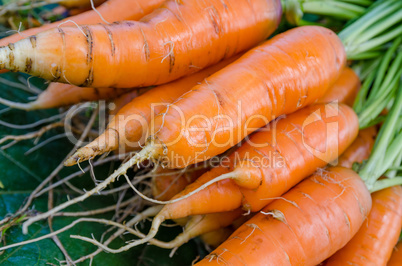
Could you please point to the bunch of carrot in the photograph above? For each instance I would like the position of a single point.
(278, 107)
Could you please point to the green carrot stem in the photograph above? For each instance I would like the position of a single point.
(380, 96)
(370, 112)
(365, 55)
(356, 49)
(385, 183)
(391, 173)
(357, 2)
(386, 147)
(365, 68)
(381, 10)
(373, 122)
(380, 27)
(384, 65)
(393, 75)
(363, 92)
(340, 9)
(335, 9)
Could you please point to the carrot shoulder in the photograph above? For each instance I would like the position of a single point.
(305, 226)
(147, 52)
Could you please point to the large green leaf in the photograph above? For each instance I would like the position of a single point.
(20, 174)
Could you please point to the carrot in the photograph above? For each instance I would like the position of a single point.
(308, 224)
(122, 100)
(270, 80)
(345, 88)
(291, 238)
(215, 238)
(396, 256)
(200, 224)
(373, 243)
(360, 148)
(281, 157)
(147, 52)
(164, 187)
(126, 130)
(111, 11)
(59, 95)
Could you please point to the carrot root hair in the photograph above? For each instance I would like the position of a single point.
(17, 105)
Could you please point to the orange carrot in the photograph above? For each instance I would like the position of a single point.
(164, 187)
(126, 129)
(126, 98)
(111, 11)
(270, 80)
(304, 227)
(316, 227)
(215, 238)
(345, 88)
(59, 95)
(281, 156)
(360, 149)
(268, 164)
(396, 256)
(165, 45)
(200, 224)
(373, 243)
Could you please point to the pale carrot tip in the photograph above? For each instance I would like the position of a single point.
(107, 141)
(83, 154)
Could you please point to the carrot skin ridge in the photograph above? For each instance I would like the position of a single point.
(77, 55)
(373, 243)
(275, 71)
(316, 218)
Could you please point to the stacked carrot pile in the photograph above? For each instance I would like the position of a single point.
(267, 147)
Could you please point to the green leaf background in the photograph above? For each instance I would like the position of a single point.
(20, 174)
